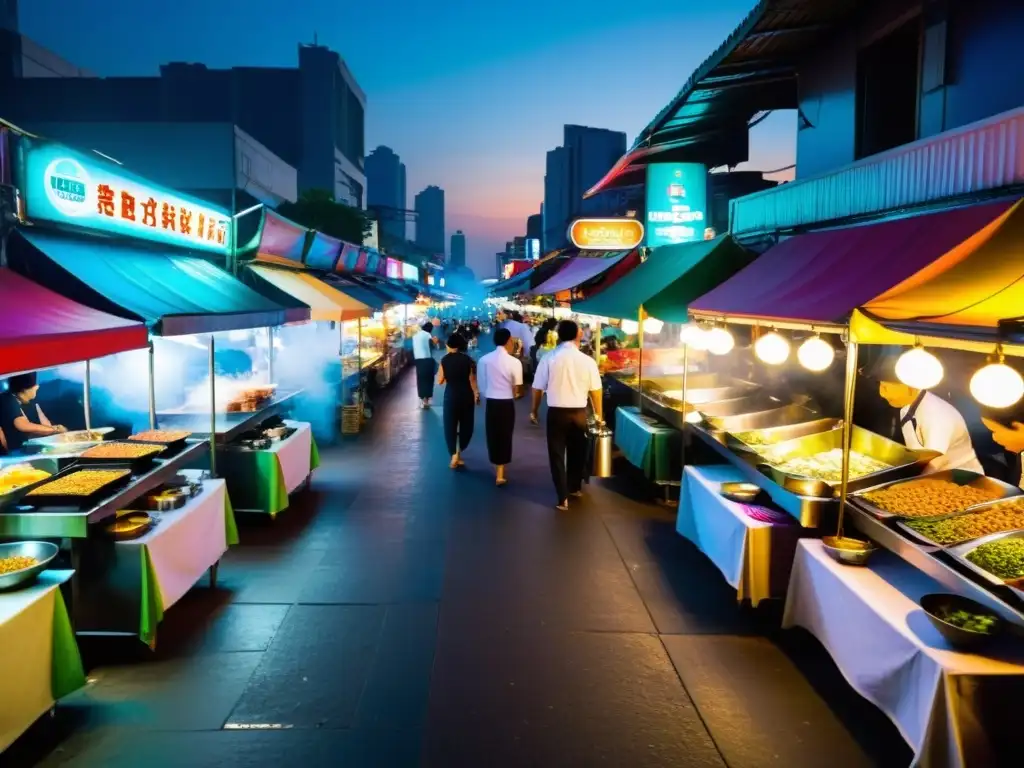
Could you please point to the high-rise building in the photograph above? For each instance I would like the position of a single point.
(430, 219)
(535, 226)
(9, 15)
(385, 191)
(583, 159)
(458, 251)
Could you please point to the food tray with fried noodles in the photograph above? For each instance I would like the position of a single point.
(173, 439)
(961, 551)
(124, 452)
(81, 487)
(1011, 517)
(988, 489)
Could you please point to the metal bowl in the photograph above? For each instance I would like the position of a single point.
(42, 551)
(741, 492)
(854, 551)
(167, 499)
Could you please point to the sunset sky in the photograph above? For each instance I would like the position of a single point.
(471, 95)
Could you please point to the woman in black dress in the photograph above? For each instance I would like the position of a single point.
(458, 372)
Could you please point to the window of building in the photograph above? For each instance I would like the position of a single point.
(888, 92)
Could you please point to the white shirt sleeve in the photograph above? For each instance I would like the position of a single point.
(595, 376)
(517, 378)
(540, 377)
(481, 376)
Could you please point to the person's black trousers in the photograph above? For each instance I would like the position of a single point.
(567, 448)
(459, 417)
(426, 367)
(500, 421)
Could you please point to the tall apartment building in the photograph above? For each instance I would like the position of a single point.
(386, 191)
(458, 250)
(430, 219)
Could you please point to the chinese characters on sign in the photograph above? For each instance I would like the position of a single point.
(179, 219)
(606, 234)
(676, 203)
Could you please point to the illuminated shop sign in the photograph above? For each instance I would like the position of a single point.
(394, 269)
(606, 234)
(410, 272)
(677, 197)
(64, 186)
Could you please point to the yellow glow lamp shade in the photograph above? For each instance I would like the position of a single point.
(919, 368)
(690, 335)
(815, 354)
(653, 325)
(997, 385)
(718, 341)
(630, 327)
(772, 348)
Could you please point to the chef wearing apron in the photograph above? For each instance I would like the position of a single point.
(927, 421)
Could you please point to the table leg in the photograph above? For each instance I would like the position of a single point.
(213, 574)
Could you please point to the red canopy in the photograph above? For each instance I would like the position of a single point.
(40, 329)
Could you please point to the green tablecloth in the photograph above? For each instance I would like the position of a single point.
(647, 446)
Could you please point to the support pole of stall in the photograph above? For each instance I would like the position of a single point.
(848, 392)
(597, 342)
(359, 362)
(682, 398)
(87, 395)
(640, 360)
(270, 356)
(213, 413)
(152, 386)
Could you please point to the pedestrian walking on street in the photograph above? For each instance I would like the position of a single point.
(500, 378)
(423, 355)
(570, 378)
(461, 396)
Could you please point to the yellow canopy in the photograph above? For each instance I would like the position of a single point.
(325, 302)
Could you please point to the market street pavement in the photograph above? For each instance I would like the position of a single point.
(402, 614)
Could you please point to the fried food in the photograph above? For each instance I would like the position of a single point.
(160, 435)
(16, 563)
(1008, 516)
(1003, 558)
(929, 497)
(828, 465)
(18, 476)
(81, 483)
(120, 450)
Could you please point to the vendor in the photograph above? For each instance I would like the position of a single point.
(15, 425)
(927, 421)
(1007, 428)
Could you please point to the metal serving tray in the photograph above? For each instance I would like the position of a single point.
(703, 388)
(959, 553)
(958, 476)
(46, 465)
(908, 531)
(903, 462)
(780, 432)
(69, 442)
(780, 413)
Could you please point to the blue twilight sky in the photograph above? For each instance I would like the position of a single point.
(470, 94)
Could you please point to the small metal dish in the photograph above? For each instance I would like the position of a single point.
(743, 493)
(276, 433)
(130, 524)
(258, 444)
(167, 499)
(43, 552)
(848, 551)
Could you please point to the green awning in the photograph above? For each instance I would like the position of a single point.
(670, 278)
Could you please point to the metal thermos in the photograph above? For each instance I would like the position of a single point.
(602, 437)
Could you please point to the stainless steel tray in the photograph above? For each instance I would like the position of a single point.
(777, 433)
(903, 462)
(959, 553)
(754, 402)
(42, 551)
(976, 508)
(800, 409)
(958, 476)
(68, 441)
(47, 465)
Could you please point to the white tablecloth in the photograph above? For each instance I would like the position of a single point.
(26, 654)
(738, 545)
(294, 454)
(883, 643)
(187, 542)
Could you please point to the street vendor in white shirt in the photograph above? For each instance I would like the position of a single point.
(927, 421)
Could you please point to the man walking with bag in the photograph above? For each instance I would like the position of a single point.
(570, 379)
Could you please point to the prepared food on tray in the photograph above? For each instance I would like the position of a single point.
(18, 476)
(752, 438)
(828, 465)
(972, 525)
(927, 497)
(80, 483)
(160, 435)
(119, 450)
(16, 563)
(1003, 559)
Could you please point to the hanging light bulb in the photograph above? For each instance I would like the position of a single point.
(718, 341)
(919, 368)
(689, 334)
(815, 354)
(653, 325)
(997, 385)
(772, 348)
(630, 327)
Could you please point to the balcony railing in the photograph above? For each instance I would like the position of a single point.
(977, 160)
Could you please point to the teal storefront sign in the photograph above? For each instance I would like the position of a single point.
(677, 203)
(64, 186)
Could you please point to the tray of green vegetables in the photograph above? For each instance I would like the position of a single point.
(998, 557)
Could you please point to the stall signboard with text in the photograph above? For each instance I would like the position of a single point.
(410, 273)
(677, 203)
(606, 234)
(64, 186)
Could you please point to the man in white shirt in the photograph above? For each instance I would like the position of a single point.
(570, 379)
(521, 333)
(423, 358)
(500, 381)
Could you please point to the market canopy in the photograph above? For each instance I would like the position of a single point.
(174, 294)
(578, 270)
(324, 301)
(323, 252)
(359, 292)
(671, 278)
(41, 329)
(525, 281)
(281, 240)
(821, 277)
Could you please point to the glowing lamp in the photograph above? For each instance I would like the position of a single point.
(919, 368)
(653, 325)
(690, 335)
(997, 385)
(630, 327)
(718, 341)
(772, 348)
(815, 354)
